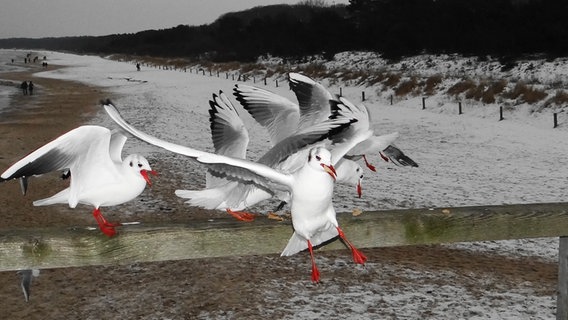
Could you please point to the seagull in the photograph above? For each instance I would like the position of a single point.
(281, 116)
(230, 138)
(310, 187)
(91, 155)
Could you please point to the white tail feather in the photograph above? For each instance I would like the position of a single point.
(207, 198)
(60, 197)
(297, 243)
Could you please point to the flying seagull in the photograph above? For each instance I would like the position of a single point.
(91, 155)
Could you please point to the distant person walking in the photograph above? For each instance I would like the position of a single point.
(24, 87)
(31, 88)
(138, 66)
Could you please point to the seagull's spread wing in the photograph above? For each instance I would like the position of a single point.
(298, 144)
(277, 114)
(83, 151)
(355, 134)
(58, 154)
(373, 145)
(231, 167)
(229, 134)
(312, 97)
(117, 141)
(398, 157)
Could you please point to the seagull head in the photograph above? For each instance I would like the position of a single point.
(140, 164)
(321, 158)
(351, 173)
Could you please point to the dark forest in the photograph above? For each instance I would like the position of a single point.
(394, 28)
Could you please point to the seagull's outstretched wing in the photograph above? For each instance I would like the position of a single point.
(277, 114)
(117, 141)
(398, 157)
(373, 145)
(355, 134)
(85, 146)
(229, 134)
(299, 143)
(231, 167)
(313, 99)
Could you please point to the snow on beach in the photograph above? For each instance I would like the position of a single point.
(469, 159)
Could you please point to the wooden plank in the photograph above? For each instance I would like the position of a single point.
(71, 247)
(562, 298)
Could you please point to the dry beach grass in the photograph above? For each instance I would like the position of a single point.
(254, 287)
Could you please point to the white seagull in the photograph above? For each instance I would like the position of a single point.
(230, 138)
(99, 176)
(310, 188)
(281, 116)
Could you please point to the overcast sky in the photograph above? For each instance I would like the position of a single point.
(58, 18)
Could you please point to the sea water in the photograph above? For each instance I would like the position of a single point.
(7, 88)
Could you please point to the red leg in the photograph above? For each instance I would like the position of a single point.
(105, 226)
(315, 271)
(384, 157)
(370, 166)
(358, 256)
(242, 215)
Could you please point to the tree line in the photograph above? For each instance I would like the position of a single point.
(394, 28)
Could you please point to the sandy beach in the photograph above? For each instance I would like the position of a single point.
(255, 287)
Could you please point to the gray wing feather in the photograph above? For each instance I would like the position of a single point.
(277, 114)
(313, 99)
(398, 157)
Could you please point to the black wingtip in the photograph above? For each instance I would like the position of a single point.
(406, 161)
(105, 102)
(24, 185)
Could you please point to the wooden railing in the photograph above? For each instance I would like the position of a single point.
(75, 247)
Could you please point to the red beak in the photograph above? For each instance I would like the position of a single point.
(330, 170)
(144, 174)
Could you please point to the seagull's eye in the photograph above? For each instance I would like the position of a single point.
(131, 164)
(318, 158)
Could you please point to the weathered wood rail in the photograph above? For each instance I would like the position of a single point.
(75, 247)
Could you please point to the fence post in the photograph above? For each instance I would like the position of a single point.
(555, 119)
(340, 92)
(423, 103)
(459, 108)
(501, 113)
(276, 83)
(391, 99)
(363, 96)
(562, 298)
(264, 81)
